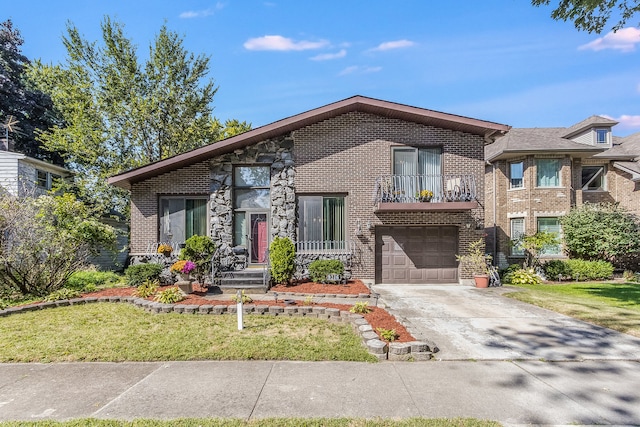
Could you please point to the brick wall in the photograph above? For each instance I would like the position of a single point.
(193, 180)
(531, 202)
(346, 154)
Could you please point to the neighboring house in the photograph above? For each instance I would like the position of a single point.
(345, 177)
(21, 175)
(24, 176)
(535, 176)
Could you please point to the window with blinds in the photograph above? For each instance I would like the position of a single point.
(321, 218)
(181, 218)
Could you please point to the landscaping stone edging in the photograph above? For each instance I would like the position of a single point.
(415, 350)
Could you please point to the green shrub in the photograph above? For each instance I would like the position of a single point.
(361, 307)
(199, 250)
(62, 293)
(81, 280)
(169, 296)
(246, 299)
(139, 273)
(556, 270)
(589, 270)
(282, 256)
(321, 268)
(523, 277)
(510, 269)
(388, 335)
(147, 288)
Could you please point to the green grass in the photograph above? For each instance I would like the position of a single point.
(267, 422)
(612, 305)
(121, 332)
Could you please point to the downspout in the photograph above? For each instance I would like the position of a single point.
(495, 207)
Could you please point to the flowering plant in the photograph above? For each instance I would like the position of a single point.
(425, 193)
(184, 267)
(164, 248)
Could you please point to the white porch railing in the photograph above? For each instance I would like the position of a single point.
(335, 247)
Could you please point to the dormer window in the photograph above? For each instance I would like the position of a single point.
(602, 136)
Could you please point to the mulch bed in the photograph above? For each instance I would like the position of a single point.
(377, 318)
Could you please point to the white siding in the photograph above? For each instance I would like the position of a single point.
(9, 173)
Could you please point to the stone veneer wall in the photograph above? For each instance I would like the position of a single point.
(277, 154)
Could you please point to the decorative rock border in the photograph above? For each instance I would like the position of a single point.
(416, 350)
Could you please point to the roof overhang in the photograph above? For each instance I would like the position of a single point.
(488, 130)
(634, 172)
(578, 152)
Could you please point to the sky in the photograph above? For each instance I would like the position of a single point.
(504, 61)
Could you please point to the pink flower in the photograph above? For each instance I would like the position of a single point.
(189, 266)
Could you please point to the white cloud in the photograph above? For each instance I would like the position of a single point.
(624, 40)
(282, 44)
(354, 69)
(626, 121)
(329, 56)
(201, 13)
(398, 44)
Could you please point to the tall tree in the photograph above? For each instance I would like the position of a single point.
(592, 15)
(31, 108)
(120, 113)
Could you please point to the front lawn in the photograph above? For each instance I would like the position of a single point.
(121, 332)
(612, 305)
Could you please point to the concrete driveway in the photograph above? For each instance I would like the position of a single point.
(481, 324)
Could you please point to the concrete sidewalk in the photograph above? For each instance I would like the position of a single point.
(514, 393)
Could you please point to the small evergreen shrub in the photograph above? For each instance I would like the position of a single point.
(62, 293)
(139, 273)
(510, 269)
(169, 296)
(589, 270)
(282, 256)
(523, 277)
(556, 270)
(147, 288)
(199, 250)
(321, 268)
(80, 280)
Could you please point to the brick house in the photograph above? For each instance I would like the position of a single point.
(534, 176)
(343, 178)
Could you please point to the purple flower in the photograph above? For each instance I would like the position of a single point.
(189, 266)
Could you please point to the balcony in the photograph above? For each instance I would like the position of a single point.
(450, 193)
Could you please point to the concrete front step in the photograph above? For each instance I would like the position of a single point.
(247, 288)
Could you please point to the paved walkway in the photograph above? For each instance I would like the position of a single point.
(514, 393)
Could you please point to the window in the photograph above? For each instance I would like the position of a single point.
(551, 225)
(593, 178)
(548, 172)
(409, 162)
(181, 218)
(517, 231)
(46, 179)
(516, 174)
(321, 218)
(602, 136)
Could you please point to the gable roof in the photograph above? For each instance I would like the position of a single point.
(535, 140)
(593, 121)
(555, 140)
(287, 125)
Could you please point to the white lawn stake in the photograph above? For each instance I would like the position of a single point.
(239, 310)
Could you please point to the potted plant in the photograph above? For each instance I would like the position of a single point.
(425, 195)
(476, 260)
(183, 268)
(165, 249)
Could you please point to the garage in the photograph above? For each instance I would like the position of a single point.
(416, 255)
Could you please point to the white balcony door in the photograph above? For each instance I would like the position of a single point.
(417, 169)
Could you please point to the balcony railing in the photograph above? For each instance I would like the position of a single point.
(408, 188)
